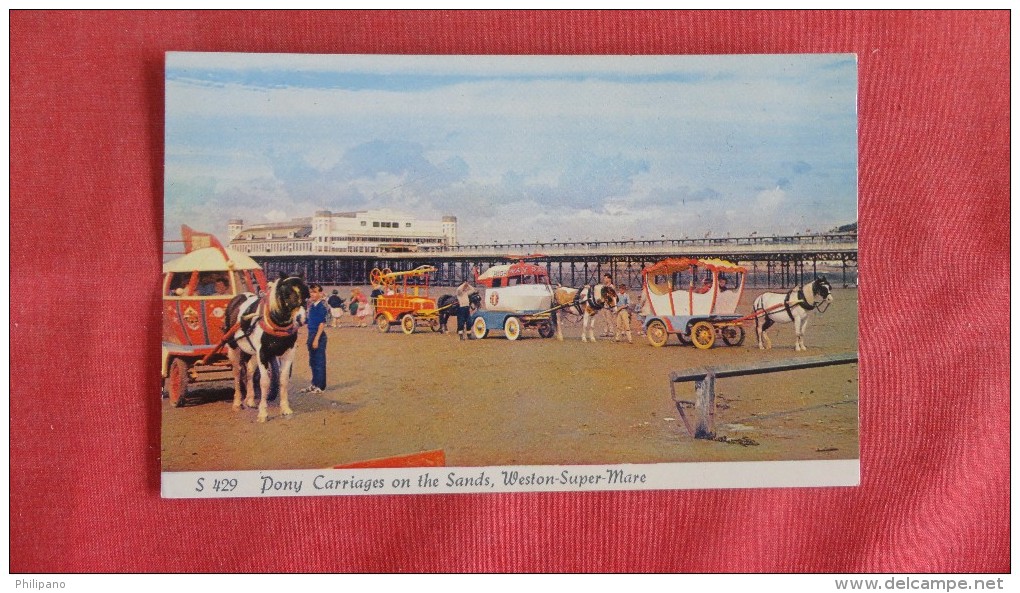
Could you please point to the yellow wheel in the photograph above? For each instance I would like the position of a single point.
(479, 329)
(703, 335)
(382, 323)
(512, 328)
(375, 277)
(657, 333)
(407, 323)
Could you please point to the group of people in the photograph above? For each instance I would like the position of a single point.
(618, 321)
(322, 311)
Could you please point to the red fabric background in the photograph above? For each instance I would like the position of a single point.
(86, 203)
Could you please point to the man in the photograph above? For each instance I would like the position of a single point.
(317, 315)
(608, 323)
(464, 308)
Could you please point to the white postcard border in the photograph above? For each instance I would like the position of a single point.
(503, 479)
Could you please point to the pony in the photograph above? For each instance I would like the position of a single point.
(793, 306)
(263, 337)
(447, 305)
(587, 302)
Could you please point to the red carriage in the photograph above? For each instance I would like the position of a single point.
(197, 287)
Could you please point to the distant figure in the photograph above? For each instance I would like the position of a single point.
(335, 308)
(361, 308)
(608, 323)
(723, 283)
(464, 308)
(623, 314)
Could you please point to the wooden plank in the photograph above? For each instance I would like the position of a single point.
(704, 405)
(757, 368)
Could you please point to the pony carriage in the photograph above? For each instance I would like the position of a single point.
(695, 299)
(517, 296)
(197, 289)
(404, 299)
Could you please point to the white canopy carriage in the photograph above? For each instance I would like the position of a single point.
(693, 298)
(516, 296)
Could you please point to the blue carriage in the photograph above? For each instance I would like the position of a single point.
(516, 296)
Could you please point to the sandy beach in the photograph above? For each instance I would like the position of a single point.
(533, 401)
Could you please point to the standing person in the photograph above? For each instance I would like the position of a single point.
(623, 314)
(464, 308)
(316, 339)
(335, 308)
(365, 308)
(608, 325)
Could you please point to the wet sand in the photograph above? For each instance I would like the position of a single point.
(533, 401)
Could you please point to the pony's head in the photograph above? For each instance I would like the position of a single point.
(608, 297)
(823, 289)
(287, 296)
(475, 300)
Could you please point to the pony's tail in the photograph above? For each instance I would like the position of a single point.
(757, 308)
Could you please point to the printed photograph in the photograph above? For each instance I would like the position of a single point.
(510, 269)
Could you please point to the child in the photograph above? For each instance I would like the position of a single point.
(623, 316)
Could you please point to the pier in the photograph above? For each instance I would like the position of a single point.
(779, 261)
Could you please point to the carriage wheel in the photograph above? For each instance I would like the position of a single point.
(479, 329)
(512, 328)
(703, 335)
(434, 324)
(733, 335)
(546, 329)
(407, 323)
(375, 277)
(382, 323)
(177, 380)
(657, 333)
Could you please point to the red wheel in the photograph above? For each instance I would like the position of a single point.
(177, 380)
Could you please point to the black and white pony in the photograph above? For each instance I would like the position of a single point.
(264, 336)
(793, 306)
(586, 302)
(447, 305)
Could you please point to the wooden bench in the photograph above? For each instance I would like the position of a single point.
(704, 385)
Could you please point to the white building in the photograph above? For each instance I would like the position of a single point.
(369, 231)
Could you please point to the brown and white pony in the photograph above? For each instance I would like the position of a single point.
(586, 302)
(265, 338)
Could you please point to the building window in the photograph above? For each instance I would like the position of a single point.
(407, 224)
(375, 223)
(364, 223)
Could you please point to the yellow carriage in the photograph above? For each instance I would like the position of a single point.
(403, 298)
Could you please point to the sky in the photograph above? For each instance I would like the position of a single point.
(518, 148)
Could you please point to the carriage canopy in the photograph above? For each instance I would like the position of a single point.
(689, 286)
(512, 274)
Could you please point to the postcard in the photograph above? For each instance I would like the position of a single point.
(446, 274)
